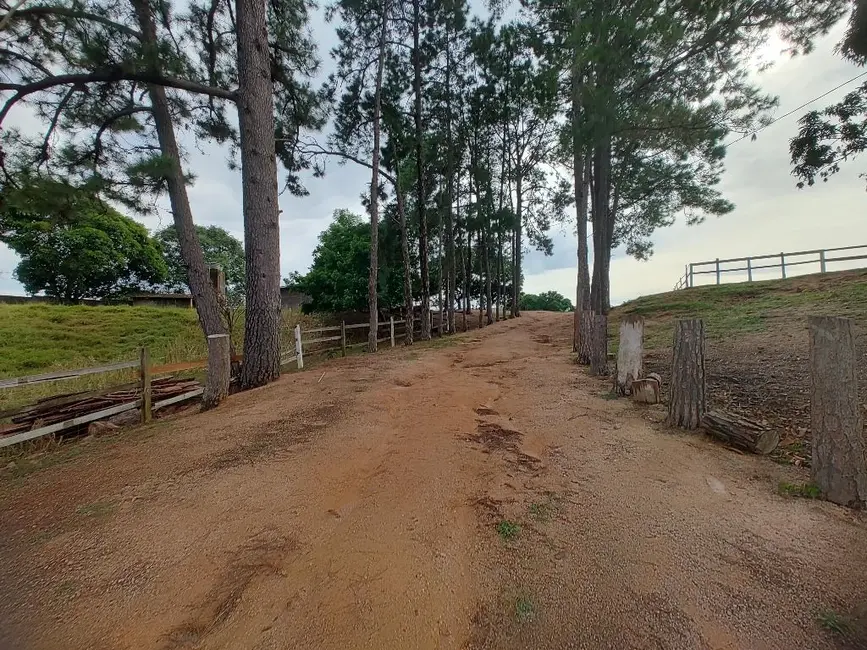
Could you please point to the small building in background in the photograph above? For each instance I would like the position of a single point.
(179, 300)
(292, 299)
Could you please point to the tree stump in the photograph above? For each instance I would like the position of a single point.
(647, 390)
(598, 345)
(688, 403)
(838, 464)
(741, 432)
(219, 371)
(630, 354)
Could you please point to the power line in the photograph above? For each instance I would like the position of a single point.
(795, 110)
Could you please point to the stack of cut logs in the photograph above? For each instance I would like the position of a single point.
(60, 408)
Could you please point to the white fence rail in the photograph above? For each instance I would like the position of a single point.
(718, 268)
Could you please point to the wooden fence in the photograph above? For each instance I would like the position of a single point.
(718, 268)
(339, 334)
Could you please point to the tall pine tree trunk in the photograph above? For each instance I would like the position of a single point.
(205, 298)
(516, 261)
(602, 228)
(486, 258)
(259, 185)
(373, 278)
(419, 158)
(450, 197)
(468, 277)
(582, 301)
(404, 253)
(479, 255)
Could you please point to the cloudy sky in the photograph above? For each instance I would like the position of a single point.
(771, 214)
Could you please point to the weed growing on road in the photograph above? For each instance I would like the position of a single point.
(833, 622)
(508, 530)
(525, 610)
(805, 490)
(543, 511)
(97, 510)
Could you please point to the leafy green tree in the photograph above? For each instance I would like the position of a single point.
(74, 246)
(111, 81)
(220, 248)
(548, 301)
(337, 279)
(837, 133)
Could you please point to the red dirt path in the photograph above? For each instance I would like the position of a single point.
(361, 511)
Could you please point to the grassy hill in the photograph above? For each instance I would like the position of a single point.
(757, 345)
(39, 337)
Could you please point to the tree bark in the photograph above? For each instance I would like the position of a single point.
(599, 337)
(516, 261)
(419, 158)
(373, 277)
(602, 229)
(581, 166)
(259, 185)
(407, 264)
(687, 403)
(838, 463)
(480, 255)
(630, 354)
(450, 197)
(740, 432)
(468, 277)
(208, 308)
(219, 370)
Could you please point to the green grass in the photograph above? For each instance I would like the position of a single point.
(508, 530)
(803, 490)
(525, 609)
(96, 510)
(738, 309)
(40, 338)
(543, 511)
(830, 620)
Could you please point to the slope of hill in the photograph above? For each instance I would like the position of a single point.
(757, 344)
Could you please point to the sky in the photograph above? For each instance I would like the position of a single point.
(771, 215)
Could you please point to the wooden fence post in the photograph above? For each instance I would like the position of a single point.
(783, 264)
(691, 276)
(717, 270)
(687, 403)
(219, 370)
(391, 323)
(630, 354)
(838, 463)
(821, 261)
(145, 372)
(299, 348)
(599, 345)
(749, 269)
(343, 338)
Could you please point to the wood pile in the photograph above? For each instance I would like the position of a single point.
(60, 408)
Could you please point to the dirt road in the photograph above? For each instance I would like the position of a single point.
(480, 493)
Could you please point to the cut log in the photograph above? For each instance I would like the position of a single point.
(688, 402)
(838, 464)
(630, 354)
(599, 345)
(741, 432)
